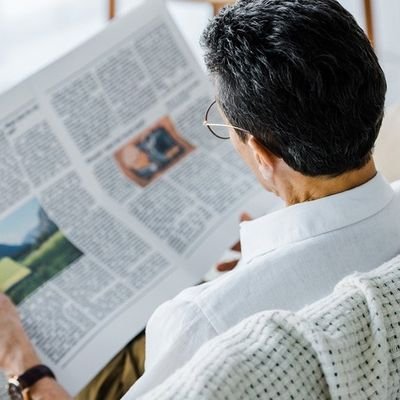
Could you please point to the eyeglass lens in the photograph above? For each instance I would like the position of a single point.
(214, 117)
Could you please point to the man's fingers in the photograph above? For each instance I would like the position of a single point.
(245, 217)
(227, 266)
(236, 247)
(5, 303)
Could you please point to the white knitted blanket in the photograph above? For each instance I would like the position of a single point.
(346, 346)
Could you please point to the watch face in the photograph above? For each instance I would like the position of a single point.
(14, 391)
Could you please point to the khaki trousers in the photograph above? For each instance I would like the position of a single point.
(115, 379)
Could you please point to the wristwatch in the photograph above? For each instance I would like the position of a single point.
(17, 385)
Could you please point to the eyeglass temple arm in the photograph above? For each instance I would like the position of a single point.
(205, 123)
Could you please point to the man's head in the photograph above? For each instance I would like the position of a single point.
(134, 158)
(302, 78)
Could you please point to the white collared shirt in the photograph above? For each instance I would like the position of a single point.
(290, 258)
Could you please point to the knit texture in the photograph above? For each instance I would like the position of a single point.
(345, 346)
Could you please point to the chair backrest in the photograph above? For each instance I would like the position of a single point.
(346, 345)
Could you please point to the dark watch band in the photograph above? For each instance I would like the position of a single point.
(34, 374)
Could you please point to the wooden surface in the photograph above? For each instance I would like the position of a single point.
(218, 4)
(369, 20)
(111, 8)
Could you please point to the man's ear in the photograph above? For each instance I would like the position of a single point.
(264, 158)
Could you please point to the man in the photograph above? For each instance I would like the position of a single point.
(302, 94)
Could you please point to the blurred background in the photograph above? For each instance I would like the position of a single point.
(34, 33)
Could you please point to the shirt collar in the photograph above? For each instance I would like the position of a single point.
(306, 220)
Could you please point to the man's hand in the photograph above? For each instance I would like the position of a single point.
(229, 265)
(16, 351)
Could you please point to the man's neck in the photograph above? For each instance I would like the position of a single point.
(303, 188)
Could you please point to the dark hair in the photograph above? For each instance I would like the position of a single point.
(301, 76)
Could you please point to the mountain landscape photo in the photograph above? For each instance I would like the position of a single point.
(32, 250)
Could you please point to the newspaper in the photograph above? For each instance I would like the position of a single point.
(114, 196)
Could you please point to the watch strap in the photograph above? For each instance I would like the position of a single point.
(34, 374)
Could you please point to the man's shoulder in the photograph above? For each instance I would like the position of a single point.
(293, 275)
(233, 296)
(211, 300)
(396, 187)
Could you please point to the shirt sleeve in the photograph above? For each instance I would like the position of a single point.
(173, 334)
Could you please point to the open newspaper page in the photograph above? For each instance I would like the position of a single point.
(114, 196)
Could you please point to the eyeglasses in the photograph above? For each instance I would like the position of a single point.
(221, 131)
